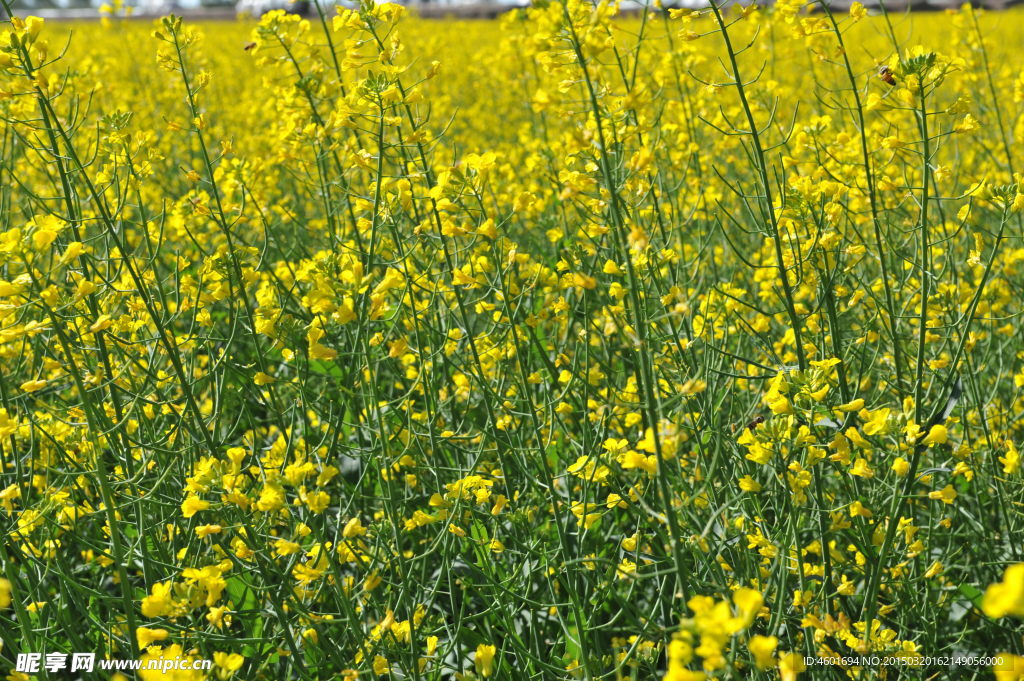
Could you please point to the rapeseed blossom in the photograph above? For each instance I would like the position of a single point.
(358, 345)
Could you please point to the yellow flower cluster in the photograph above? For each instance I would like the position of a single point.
(574, 344)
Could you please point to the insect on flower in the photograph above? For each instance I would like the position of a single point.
(752, 425)
(885, 73)
(755, 423)
(249, 47)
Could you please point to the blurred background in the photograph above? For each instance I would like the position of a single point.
(229, 9)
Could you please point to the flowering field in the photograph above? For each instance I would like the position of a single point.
(564, 346)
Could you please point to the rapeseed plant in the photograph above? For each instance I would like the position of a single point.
(571, 345)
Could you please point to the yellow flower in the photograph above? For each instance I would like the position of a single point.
(947, 494)
(763, 650)
(33, 25)
(862, 469)
(625, 570)
(856, 438)
(1008, 667)
(1011, 462)
(32, 386)
(748, 602)
(680, 653)
(790, 666)
(283, 547)
(204, 531)
(218, 616)
(153, 665)
(372, 581)
(633, 459)
(159, 602)
(855, 405)
(229, 662)
(193, 505)
(146, 636)
(858, 509)
(210, 579)
(748, 484)
(937, 435)
(1006, 597)
(775, 399)
(316, 350)
(262, 379)
(7, 425)
(353, 528)
(484, 660)
(968, 124)
(877, 422)
(45, 232)
(102, 323)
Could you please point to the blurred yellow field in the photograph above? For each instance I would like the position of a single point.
(682, 344)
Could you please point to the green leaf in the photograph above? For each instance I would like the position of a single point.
(972, 593)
